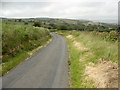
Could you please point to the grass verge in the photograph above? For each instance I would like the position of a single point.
(85, 48)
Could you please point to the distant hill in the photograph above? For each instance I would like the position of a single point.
(64, 24)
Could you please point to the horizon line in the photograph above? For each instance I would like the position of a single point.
(58, 18)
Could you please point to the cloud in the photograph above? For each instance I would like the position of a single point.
(87, 9)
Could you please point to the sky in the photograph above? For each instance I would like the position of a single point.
(95, 10)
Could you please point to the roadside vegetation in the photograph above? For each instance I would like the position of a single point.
(18, 41)
(92, 47)
(93, 59)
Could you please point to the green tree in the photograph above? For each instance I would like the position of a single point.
(37, 24)
(62, 27)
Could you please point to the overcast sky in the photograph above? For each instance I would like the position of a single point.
(98, 10)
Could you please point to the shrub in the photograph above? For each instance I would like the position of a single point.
(21, 36)
(62, 27)
(37, 24)
(25, 23)
(113, 35)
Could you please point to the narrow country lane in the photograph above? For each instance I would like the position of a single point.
(46, 69)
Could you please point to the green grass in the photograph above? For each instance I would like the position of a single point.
(77, 68)
(106, 50)
(14, 61)
(99, 48)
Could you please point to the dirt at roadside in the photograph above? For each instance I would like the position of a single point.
(70, 36)
(77, 44)
(80, 46)
(104, 74)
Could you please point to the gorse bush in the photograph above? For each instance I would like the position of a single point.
(21, 37)
(111, 36)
